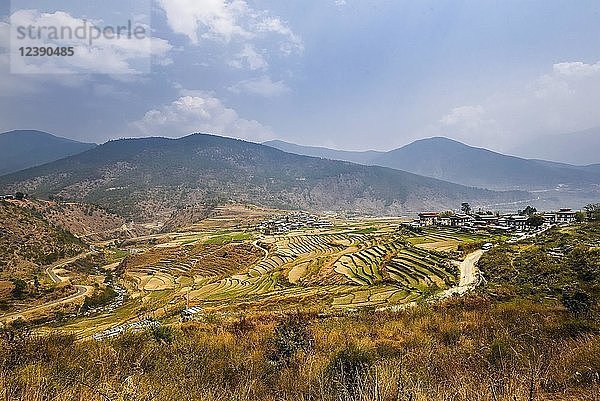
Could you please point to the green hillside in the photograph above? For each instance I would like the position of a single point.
(151, 177)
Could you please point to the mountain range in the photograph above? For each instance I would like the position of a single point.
(150, 178)
(21, 149)
(453, 161)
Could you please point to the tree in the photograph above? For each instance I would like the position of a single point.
(19, 196)
(576, 301)
(593, 211)
(536, 220)
(19, 288)
(528, 211)
(580, 216)
(465, 207)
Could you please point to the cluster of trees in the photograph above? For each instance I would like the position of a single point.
(593, 211)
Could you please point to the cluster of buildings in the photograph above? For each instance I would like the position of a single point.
(117, 301)
(189, 313)
(292, 221)
(498, 222)
(17, 196)
(133, 327)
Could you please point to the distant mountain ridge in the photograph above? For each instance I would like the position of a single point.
(360, 157)
(150, 178)
(453, 161)
(21, 149)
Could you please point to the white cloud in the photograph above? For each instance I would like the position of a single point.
(108, 56)
(249, 58)
(227, 21)
(200, 113)
(262, 86)
(562, 100)
(465, 122)
(577, 69)
(471, 116)
(219, 19)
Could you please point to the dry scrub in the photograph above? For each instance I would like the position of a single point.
(470, 349)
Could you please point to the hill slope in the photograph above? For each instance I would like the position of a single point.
(150, 178)
(28, 240)
(456, 162)
(22, 149)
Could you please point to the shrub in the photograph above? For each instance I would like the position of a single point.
(499, 350)
(163, 334)
(99, 297)
(290, 336)
(19, 290)
(349, 366)
(242, 326)
(576, 301)
(577, 328)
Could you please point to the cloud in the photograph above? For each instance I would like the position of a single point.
(200, 113)
(249, 58)
(561, 100)
(125, 55)
(228, 21)
(262, 86)
(465, 115)
(464, 122)
(218, 19)
(577, 69)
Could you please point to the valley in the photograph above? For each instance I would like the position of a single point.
(263, 294)
(226, 264)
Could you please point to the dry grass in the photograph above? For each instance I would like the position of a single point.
(470, 349)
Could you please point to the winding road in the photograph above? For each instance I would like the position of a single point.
(82, 291)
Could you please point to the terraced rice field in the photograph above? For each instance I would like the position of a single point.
(352, 269)
(341, 267)
(444, 238)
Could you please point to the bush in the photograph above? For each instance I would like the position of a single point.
(163, 334)
(576, 301)
(499, 350)
(576, 327)
(349, 366)
(19, 290)
(290, 336)
(242, 326)
(99, 297)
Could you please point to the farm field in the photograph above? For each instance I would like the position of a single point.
(352, 265)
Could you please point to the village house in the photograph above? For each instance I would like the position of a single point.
(550, 218)
(460, 220)
(428, 218)
(517, 222)
(490, 222)
(445, 221)
(565, 216)
(486, 220)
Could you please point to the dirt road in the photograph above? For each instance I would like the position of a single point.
(469, 275)
(82, 291)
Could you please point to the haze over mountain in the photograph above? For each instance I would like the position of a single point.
(579, 148)
(21, 149)
(456, 162)
(150, 178)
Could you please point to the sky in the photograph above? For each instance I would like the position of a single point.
(347, 74)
